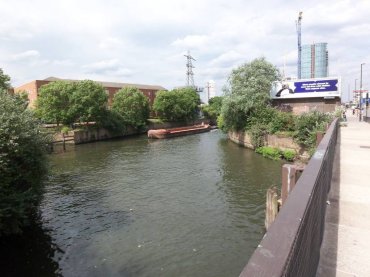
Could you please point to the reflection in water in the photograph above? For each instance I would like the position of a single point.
(189, 206)
(30, 254)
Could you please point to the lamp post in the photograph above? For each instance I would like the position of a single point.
(356, 88)
(360, 118)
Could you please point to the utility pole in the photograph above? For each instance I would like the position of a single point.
(189, 71)
(298, 27)
(360, 118)
(349, 93)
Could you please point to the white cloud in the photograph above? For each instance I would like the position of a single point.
(191, 41)
(108, 67)
(144, 41)
(26, 55)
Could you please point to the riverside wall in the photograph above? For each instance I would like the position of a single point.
(97, 134)
(281, 142)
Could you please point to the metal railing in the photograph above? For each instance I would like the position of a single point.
(291, 247)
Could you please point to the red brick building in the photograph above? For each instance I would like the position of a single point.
(32, 89)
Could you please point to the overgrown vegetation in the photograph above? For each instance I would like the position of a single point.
(276, 154)
(132, 106)
(246, 107)
(213, 110)
(22, 163)
(247, 92)
(177, 105)
(307, 125)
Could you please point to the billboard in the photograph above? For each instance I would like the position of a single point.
(304, 88)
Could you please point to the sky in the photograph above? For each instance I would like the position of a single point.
(144, 41)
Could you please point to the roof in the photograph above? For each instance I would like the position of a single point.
(112, 84)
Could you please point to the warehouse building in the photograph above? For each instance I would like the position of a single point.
(32, 89)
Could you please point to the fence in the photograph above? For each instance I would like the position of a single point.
(291, 247)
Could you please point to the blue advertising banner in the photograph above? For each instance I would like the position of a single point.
(308, 88)
(316, 86)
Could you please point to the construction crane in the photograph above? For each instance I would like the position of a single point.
(298, 27)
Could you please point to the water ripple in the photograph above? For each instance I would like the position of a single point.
(190, 206)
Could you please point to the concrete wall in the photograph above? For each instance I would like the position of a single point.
(302, 105)
(283, 143)
(96, 134)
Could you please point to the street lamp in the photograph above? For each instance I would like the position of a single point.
(360, 118)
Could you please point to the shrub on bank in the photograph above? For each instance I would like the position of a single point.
(269, 152)
(288, 155)
(22, 164)
(307, 125)
(276, 154)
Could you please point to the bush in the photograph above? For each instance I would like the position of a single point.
(275, 153)
(65, 130)
(22, 164)
(288, 155)
(257, 134)
(221, 124)
(307, 125)
(281, 122)
(269, 152)
(213, 109)
(114, 122)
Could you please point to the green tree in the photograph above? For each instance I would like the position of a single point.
(22, 163)
(213, 109)
(53, 103)
(88, 102)
(4, 80)
(132, 105)
(247, 92)
(177, 105)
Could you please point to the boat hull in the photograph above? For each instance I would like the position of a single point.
(177, 132)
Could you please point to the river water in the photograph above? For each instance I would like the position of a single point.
(188, 206)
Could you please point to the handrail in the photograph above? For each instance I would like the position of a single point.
(291, 246)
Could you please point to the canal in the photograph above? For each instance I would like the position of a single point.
(189, 206)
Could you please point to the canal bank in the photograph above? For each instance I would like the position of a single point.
(93, 133)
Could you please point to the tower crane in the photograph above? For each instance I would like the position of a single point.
(298, 27)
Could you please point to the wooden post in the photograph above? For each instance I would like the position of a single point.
(289, 178)
(271, 206)
(319, 136)
(288, 181)
(64, 142)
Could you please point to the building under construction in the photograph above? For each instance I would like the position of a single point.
(313, 59)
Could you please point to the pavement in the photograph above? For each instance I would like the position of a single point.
(345, 250)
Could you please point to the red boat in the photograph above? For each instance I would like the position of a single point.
(180, 131)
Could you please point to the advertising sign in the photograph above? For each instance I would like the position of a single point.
(323, 87)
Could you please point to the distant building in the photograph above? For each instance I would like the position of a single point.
(314, 61)
(32, 89)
